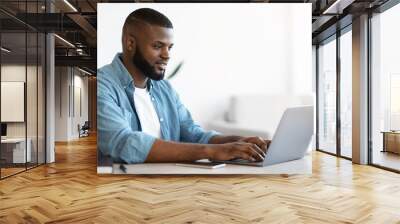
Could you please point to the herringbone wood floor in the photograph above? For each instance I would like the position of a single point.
(70, 191)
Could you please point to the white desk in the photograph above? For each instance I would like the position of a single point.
(301, 166)
(18, 149)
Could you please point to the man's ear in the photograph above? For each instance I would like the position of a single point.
(130, 43)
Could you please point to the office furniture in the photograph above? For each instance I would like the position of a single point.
(391, 141)
(13, 150)
(84, 129)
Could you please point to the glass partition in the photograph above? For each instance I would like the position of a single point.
(31, 98)
(327, 96)
(32, 103)
(385, 87)
(22, 77)
(13, 114)
(346, 94)
(41, 91)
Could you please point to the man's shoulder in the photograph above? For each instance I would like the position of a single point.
(107, 81)
(106, 76)
(105, 72)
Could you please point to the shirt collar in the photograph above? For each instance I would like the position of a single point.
(123, 75)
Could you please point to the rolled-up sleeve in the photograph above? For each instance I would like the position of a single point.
(115, 135)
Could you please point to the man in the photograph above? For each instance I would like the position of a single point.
(140, 116)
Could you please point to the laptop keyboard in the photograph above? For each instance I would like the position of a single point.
(243, 161)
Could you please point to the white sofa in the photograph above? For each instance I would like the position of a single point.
(256, 115)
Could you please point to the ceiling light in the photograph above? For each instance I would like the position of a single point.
(79, 51)
(5, 50)
(338, 6)
(64, 40)
(70, 5)
(84, 71)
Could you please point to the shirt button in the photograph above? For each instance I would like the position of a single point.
(161, 119)
(152, 98)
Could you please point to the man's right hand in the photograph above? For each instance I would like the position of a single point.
(235, 150)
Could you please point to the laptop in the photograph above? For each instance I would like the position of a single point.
(291, 139)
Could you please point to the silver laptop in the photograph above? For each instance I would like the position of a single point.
(291, 138)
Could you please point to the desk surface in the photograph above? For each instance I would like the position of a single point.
(301, 166)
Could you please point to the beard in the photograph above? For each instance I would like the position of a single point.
(146, 68)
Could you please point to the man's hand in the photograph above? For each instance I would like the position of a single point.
(168, 151)
(261, 143)
(235, 150)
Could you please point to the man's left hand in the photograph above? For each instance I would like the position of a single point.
(263, 144)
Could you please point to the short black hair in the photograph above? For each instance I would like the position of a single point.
(149, 16)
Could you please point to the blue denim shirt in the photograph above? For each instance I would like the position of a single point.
(119, 130)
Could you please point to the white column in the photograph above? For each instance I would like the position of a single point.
(360, 90)
(50, 91)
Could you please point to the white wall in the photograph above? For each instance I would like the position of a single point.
(66, 119)
(61, 103)
(227, 49)
(80, 83)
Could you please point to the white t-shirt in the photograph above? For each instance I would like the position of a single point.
(146, 112)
